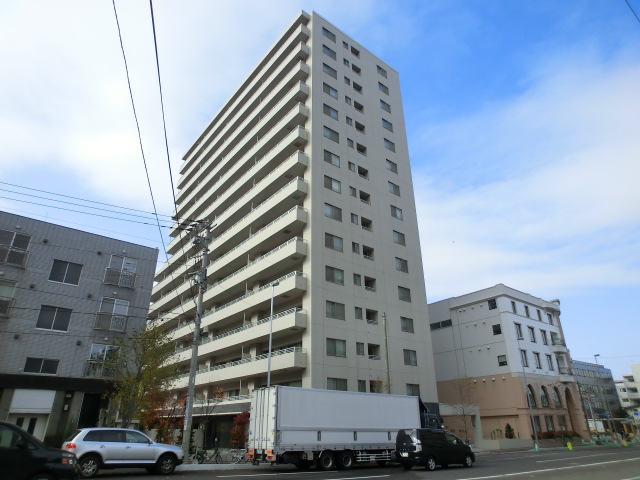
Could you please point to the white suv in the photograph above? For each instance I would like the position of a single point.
(106, 448)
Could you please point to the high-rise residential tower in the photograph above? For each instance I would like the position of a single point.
(305, 175)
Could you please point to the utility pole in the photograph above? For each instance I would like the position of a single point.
(202, 227)
(386, 352)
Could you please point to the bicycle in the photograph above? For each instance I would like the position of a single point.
(238, 456)
(213, 457)
(195, 454)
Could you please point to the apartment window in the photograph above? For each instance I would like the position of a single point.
(383, 88)
(532, 334)
(334, 275)
(393, 188)
(336, 347)
(359, 348)
(334, 310)
(347, 100)
(367, 224)
(391, 166)
(404, 294)
(336, 384)
(367, 252)
(543, 334)
(513, 307)
(355, 247)
(358, 106)
(112, 315)
(388, 125)
(333, 242)
(518, 330)
(549, 362)
(331, 158)
(345, 44)
(354, 219)
(355, 51)
(381, 71)
(410, 357)
(331, 134)
(361, 149)
(373, 351)
(389, 145)
(350, 121)
(54, 318)
(402, 265)
(357, 279)
(346, 62)
(329, 71)
(353, 191)
(332, 212)
(331, 112)
(65, 272)
(356, 69)
(41, 365)
(357, 87)
(539, 315)
(359, 127)
(358, 313)
(332, 184)
(385, 106)
(413, 389)
(497, 329)
(396, 212)
(347, 80)
(502, 360)
(493, 304)
(7, 289)
(439, 325)
(329, 90)
(349, 143)
(362, 385)
(550, 318)
(327, 51)
(13, 247)
(526, 311)
(406, 324)
(330, 35)
(536, 359)
(398, 238)
(370, 284)
(524, 358)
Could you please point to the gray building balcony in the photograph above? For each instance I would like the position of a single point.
(111, 322)
(5, 306)
(99, 369)
(119, 278)
(13, 256)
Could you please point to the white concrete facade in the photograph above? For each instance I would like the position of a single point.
(628, 393)
(305, 174)
(506, 343)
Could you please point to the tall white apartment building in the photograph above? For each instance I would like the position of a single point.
(305, 174)
(505, 351)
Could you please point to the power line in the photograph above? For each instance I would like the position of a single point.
(632, 10)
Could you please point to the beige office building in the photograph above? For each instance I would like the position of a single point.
(305, 174)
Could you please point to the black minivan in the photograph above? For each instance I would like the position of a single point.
(431, 447)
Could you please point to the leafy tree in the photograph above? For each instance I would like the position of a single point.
(239, 430)
(143, 371)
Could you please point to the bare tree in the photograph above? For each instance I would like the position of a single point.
(465, 399)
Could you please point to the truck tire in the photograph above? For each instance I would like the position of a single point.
(430, 464)
(326, 461)
(345, 460)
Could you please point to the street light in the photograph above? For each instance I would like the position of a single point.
(273, 288)
(604, 403)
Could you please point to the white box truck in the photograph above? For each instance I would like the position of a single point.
(328, 428)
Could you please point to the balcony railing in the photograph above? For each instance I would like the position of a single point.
(5, 306)
(100, 369)
(113, 276)
(111, 321)
(13, 256)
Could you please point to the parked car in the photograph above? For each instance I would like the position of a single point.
(431, 447)
(24, 457)
(107, 448)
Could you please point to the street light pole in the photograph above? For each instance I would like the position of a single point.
(604, 403)
(273, 288)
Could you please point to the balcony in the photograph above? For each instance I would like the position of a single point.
(119, 278)
(5, 306)
(285, 360)
(100, 369)
(566, 376)
(558, 346)
(111, 322)
(13, 256)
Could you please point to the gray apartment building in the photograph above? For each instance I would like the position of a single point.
(65, 297)
(304, 174)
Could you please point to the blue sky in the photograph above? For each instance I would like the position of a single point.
(523, 122)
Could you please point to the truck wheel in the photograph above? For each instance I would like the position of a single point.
(345, 460)
(431, 464)
(468, 461)
(326, 461)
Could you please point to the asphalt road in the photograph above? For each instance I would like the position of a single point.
(597, 463)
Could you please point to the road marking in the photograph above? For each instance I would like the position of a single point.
(574, 458)
(299, 473)
(632, 478)
(544, 470)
